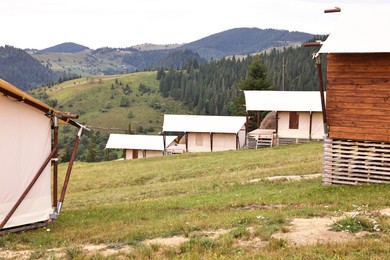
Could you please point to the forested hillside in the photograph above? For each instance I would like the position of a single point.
(242, 41)
(19, 68)
(210, 88)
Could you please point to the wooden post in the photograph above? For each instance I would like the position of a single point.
(186, 135)
(211, 141)
(55, 164)
(164, 143)
(69, 170)
(258, 119)
(311, 123)
(321, 84)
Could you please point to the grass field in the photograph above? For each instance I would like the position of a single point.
(122, 204)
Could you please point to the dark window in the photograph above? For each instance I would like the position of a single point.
(294, 120)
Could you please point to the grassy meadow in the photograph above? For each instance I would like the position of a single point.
(124, 203)
(115, 101)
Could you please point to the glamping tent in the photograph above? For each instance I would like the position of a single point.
(208, 133)
(298, 113)
(28, 193)
(139, 146)
(357, 146)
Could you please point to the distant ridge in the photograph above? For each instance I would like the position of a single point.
(241, 41)
(67, 47)
(20, 69)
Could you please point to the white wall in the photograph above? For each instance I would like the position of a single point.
(25, 143)
(148, 153)
(303, 130)
(200, 142)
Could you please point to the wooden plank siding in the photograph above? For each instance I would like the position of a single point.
(358, 96)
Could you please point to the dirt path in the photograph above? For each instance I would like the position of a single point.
(287, 178)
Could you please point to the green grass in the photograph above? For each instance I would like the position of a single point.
(98, 101)
(126, 202)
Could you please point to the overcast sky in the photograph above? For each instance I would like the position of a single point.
(123, 23)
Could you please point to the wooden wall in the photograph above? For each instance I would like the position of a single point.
(358, 96)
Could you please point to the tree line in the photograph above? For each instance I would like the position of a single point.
(211, 88)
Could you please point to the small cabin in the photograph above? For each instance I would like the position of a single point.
(207, 133)
(298, 114)
(356, 149)
(140, 146)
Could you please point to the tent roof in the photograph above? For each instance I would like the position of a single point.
(10, 90)
(140, 142)
(360, 29)
(13, 91)
(203, 124)
(298, 101)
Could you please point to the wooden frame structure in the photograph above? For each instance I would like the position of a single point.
(17, 210)
(357, 107)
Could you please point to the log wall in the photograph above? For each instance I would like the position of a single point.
(358, 96)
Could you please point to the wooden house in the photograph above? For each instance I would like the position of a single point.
(140, 146)
(298, 113)
(207, 133)
(357, 147)
(28, 148)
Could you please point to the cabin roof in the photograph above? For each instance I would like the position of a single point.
(139, 142)
(292, 101)
(203, 124)
(360, 29)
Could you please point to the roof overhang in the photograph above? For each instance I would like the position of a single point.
(139, 142)
(10, 90)
(292, 101)
(360, 29)
(203, 124)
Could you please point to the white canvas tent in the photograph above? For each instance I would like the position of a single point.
(302, 107)
(26, 196)
(208, 133)
(139, 146)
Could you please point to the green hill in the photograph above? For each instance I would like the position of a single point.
(109, 104)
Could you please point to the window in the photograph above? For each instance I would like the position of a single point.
(294, 120)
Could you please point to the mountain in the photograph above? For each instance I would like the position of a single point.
(19, 68)
(67, 47)
(244, 41)
(238, 41)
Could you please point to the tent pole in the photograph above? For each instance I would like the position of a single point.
(321, 84)
(55, 165)
(258, 119)
(186, 135)
(311, 123)
(164, 143)
(70, 165)
(29, 187)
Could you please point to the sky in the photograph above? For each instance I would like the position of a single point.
(39, 24)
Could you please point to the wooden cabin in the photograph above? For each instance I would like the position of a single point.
(298, 113)
(28, 149)
(357, 147)
(207, 133)
(140, 146)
